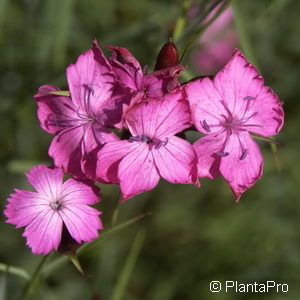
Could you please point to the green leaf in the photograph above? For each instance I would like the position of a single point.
(59, 93)
(76, 263)
(266, 139)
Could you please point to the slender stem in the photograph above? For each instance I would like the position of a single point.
(243, 32)
(128, 266)
(15, 271)
(248, 49)
(53, 265)
(30, 286)
(189, 31)
(181, 21)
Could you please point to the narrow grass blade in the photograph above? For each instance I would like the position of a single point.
(119, 292)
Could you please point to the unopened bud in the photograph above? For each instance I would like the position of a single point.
(168, 56)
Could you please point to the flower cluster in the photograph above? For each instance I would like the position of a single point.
(119, 124)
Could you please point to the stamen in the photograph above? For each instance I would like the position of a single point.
(205, 126)
(89, 88)
(162, 143)
(55, 205)
(145, 139)
(248, 98)
(141, 138)
(134, 139)
(222, 154)
(244, 154)
(87, 95)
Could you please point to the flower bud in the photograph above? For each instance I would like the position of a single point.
(168, 56)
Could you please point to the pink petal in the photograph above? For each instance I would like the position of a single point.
(207, 149)
(137, 172)
(109, 158)
(237, 80)
(245, 95)
(54, 112)
(46, 181)
(176, 161)
(66, 150)
(24, 206)
(206, 106)
(76, 192)
(126, 67)
(265, 115)
(44, 232)
(244, 164)
(162, 81)
(90, 81)
(159, 117)
(82, 221)
(94, 137)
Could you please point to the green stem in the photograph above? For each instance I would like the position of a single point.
(128, 267)
(249, 52)
(194, 26)
(55, 264)
(15, 271)
(30, 286)
(243, 32)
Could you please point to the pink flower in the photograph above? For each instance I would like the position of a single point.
(53, 205)
(153, 150)
(227, 108)
(216, 43)
(129, 72)
(80, 122)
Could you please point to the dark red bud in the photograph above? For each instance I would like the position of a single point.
(168, 56)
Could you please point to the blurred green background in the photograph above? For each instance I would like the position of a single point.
(193, 235)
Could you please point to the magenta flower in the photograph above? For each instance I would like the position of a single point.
(53, 205)
(227, 108)
(216, 43)
(80, 122)
(129, 72)
(153, 150)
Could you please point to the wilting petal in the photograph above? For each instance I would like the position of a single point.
(210, 150)
(137, 172)
(176, 161)
(66, 150)
(159, 117)
(54, 112)
(46, 181)
(44, 232)
(126, 67)
(81, 221)
(109, 158)
(206, 106)
(244, 164)
(90, 81)
(160, 82)
(76, 192)
(24, 206)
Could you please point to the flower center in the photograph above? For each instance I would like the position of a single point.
(157, 143)
(55, 205)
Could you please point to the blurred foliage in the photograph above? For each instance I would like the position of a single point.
(193, 235)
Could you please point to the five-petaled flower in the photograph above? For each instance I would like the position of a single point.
(54, 204)
(227, 108)
(81, 122)
(153, 150)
